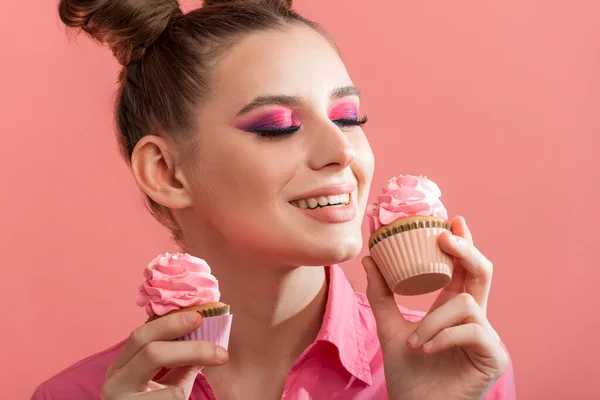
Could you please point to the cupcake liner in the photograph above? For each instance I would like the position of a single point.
(407, 224)
(210, 309)
(212, 329)
(412, 262)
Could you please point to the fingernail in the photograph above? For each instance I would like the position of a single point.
(458, 241)
(413, 339)
(191, 317)
(364, 265)
(221, 353)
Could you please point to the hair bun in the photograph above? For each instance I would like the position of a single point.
(128, 27)
(287, 4)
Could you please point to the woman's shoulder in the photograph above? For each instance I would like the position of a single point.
(81, 380)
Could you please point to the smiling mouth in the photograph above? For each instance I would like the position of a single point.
(311, 203)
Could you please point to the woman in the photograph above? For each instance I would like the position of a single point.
(225, 116)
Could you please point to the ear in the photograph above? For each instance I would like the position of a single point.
(156, 171)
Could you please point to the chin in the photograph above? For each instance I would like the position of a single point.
(335, 250)
(297, 247)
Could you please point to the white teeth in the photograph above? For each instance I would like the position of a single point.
(312, 202)
(335, 200)
(302, 204)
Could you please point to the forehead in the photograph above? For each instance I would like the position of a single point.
(295, 60)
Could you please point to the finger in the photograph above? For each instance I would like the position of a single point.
(459, 310)
(460, 228)
(109, 392)
(475, 340)
(155, 355)
(452, 289)
(183, 377)
(154, 385)
(166, 328)
(382, 301)
(168, 393)
(457, 283)
(478, 278)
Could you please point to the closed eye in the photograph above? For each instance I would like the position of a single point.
(289, 130)
(346, 122)
(275, 132)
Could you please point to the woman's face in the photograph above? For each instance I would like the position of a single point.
(281, 169)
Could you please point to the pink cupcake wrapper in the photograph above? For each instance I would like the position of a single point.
(213, 329)
(410, 253)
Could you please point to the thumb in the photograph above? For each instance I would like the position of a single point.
(386, 312)
(183, 377)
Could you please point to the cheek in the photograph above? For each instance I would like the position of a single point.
(364, 164)
(244, 174)
(242, 198)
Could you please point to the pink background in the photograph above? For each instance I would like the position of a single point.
(497, 101)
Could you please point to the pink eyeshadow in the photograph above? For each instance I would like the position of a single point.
(269, 119)
(343, 110)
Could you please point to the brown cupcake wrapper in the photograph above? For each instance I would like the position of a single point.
(405, 225)
(215, 312)
(205, 310)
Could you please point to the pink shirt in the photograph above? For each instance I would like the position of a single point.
(344, 362)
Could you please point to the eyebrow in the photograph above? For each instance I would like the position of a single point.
(283, 100)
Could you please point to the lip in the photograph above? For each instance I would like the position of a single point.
(330, 190)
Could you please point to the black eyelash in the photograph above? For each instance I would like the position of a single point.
(277, 132)
(346, 122)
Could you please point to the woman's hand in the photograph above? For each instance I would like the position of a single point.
(453, 352)
(151, 348)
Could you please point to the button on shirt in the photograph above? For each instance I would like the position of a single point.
(344, 361)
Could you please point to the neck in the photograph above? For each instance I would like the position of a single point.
(277, 311)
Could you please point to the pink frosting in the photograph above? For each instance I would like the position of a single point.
(176, 281)
(406, 196)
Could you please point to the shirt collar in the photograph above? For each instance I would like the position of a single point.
(342, 326)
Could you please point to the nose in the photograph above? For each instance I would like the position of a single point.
(331, 148)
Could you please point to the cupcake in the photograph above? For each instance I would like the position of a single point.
(405, 223)
(180, 282)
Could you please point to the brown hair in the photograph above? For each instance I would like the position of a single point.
(167, 59)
